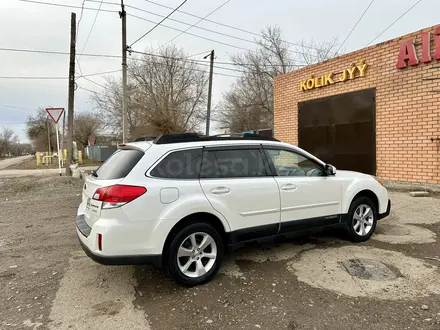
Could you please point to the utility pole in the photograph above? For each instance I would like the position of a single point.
(48, 134)
(123, 16)
(208, 112)
(70, 108)
(62, 138)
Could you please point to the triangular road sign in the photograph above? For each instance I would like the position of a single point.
(55, 113)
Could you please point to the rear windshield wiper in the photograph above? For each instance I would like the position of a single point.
(94, 174)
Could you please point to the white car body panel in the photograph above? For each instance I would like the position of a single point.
(142, 226)
(353, 182)
(245, 202)
(309, 197)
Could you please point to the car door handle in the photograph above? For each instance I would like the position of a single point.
(220, 191)
(288, 187)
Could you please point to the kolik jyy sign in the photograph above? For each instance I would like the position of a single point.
(354, 71)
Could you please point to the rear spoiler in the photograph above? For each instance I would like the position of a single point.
(134, 146)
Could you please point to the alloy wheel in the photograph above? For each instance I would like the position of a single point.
(197, 254)
(363, 220)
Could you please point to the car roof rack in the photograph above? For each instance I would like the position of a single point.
(145, 138)
(194, 137)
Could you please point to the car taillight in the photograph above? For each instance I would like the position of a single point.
(118, 195)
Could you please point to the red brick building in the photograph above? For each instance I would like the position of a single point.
(376, 110)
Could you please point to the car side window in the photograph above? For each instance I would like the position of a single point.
(289, 163)
(240, 163)
(183, 164)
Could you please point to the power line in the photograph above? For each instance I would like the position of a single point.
(54, 52)
(98, 73)
(14, 107)
(67, 6)
(200, 20)
(88, 90)
(202, 53)
(159, 23)
(228, 26)
(185, 59)
(138, 17)
(184, 31)
(192, 34)
(93, 82)
(30, 77)
(207, 20)
(34, 51)
(91, 29)
(77, 34)
(406, 12)
(80, 18)
(200, 28)
(197, 62)
(213, 40)
(354, 27)
(191, 26)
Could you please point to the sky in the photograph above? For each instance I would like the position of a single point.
(26, 25)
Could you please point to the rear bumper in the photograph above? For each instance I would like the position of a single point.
(387, 212)
(112, 235)
(155, 260)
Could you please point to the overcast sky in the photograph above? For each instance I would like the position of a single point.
(25, 25)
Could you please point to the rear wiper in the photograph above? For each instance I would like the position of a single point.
(94, 174)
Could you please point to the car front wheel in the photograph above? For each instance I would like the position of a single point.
(362, 219)
(195, 254)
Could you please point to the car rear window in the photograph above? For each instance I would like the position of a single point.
(118, 165)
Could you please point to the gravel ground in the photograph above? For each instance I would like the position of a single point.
(319, 282)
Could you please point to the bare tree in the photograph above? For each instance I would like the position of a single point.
(108, 102)
(18, 149)
(312, 52)
(85, 124)
(7, 140)
(248, 104)
(39, 125)
(38, 128)
(166, 94)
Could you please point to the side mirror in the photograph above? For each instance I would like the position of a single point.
(330, 170)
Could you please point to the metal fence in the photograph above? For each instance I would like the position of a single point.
(99, 153)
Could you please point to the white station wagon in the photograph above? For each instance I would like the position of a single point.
(182, 200)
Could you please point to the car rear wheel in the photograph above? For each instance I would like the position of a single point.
(362, 219)
(195, 254)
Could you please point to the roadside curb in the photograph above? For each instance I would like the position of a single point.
(412, 186)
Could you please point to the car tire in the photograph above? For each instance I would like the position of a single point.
(362, 219)
(192, 264)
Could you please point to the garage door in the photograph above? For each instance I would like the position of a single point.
(341, 130)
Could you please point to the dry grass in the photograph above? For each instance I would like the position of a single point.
(31, 164)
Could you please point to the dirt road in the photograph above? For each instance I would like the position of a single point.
(321, 282)
(14, 173)
(4, 163)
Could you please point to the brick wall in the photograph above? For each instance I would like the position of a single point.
(407, 111)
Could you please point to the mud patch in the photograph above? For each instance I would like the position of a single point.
(368, 269)
(403, 234)
(327, 269)
(230, 268)
(260, 254)
(108, 307)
